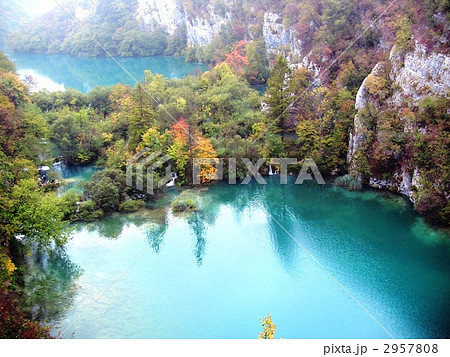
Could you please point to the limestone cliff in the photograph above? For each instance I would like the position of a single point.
(281, 39)
(169, 15)
(202, 26)
(404, 81)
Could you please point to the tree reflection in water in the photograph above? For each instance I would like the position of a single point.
(197, 223)
(50, 285)
(155, 236)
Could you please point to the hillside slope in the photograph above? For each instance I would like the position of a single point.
(388, 61)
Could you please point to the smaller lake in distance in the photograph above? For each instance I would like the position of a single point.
(58, 72)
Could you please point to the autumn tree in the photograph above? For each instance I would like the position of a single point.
(205, 150)
(16, 324)
(153, 140)
(269, 328)
(180, 150)
(237, 59)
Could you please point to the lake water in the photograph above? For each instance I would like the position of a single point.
(57, 72)
(74, 175)
(214, 273)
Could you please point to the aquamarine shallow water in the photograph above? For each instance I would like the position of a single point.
(214, 273)
(57, 72)
(75, 175)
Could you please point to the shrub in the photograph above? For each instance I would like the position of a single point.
(68, 203)
(377, 86)
(269, 328)
(88, 213)
(434, 206)
(131, 206)
(14, 323)
(403, 34)
(7, 268)
(349, 181)
(106, 189)
(181, 204)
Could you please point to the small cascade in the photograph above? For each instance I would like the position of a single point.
(20, 237)
(270, 170)
(78, 208)
(173, 177)
(59, 167)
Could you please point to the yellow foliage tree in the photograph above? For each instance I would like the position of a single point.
(269, 329)
(204, 149)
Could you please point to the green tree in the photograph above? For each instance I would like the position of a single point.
(6, 64)
(106, 189)
(77, 134)
(278, 93)
(308, 138)
(99, 98)
(403, 39)
(257, 68)
(37, 216)
(140, 114)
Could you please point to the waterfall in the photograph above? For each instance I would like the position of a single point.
(171, 183)
(59, 167)
(270, 170)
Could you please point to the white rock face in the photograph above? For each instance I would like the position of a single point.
(169, 15)
(420, 74)
(165, 14)
(358, 136)
(201, 30)
(406, 184)
(278, 39)
(276, 36)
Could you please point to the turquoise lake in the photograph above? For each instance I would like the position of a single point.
(214, 273)
(58, 72)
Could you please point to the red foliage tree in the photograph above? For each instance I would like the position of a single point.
(180, 130)
(14, 323)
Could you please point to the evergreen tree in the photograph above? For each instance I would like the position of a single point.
(278, 93)
(257, 69)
